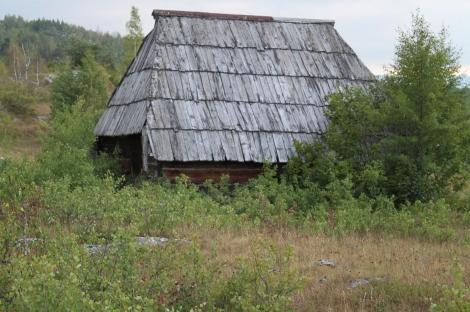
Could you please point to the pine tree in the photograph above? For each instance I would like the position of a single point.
(414, 123)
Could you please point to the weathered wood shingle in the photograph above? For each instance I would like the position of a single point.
(214, 87)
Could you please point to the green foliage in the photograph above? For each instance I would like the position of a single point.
(53, 40)
(88, 82)
(67, 147)
(133, 39)
(18, 98)
(264, 282)
(455, 296)
(407, 138)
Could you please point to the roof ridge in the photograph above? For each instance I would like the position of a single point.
(258, 18)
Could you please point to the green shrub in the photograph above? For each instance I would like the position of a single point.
(456, 295)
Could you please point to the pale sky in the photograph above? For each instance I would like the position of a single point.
(368, 26)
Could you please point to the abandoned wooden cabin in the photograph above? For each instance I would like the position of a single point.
(217, 93)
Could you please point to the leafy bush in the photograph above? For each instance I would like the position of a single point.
(455, 296)
(18, 98)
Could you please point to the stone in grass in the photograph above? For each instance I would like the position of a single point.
(154, 241)
(325, 262)
(364, 281)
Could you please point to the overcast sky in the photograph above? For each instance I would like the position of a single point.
(368, 26)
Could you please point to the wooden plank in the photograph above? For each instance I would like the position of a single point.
(242, 88)
(291, 36)
(238, 146)
(239, 39)
(189, 144)
(257, 88)
(200, 58)
(263, 141)
(209, 94)
(311, 117)
(247, 111)
(190, 114)
(186, 86)
(203, 38)
(175, 78)
(272, 147)
(217, 86)
(204, 119)
(182, 115)
(269, 96)
(237, 96)
(215, 146)
(245, 146)
(197, 86)
(269, 36)
(293, 117)
(169, 57)
(244, 30)
(238, 58)
(176, 149)
(275, 89)
(178, 35)
(288, 144)
(172, 89)
(257, 117)
(281, 109)
(207, 145)
(197, 111)
(208, 53)
(228, 89)
(258, 62)
(233, 116)
(173, 121)
(296, 97)
(200, 144)
(274, 118)
(283, 36)
(227, 34)
(280, 149)
(219, 115)
(269, 62)
(225, 145)
(220, 60)
(251, 94)
(183, 61)
(242, 121)
(218, 35)
(248, 60)
(258, 37)
(157, 116)
(286, 92)
(255, 147)
(232, 155)
(303, 121)
(167, 152)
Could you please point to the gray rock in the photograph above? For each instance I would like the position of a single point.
(364, 281)
(325, 262)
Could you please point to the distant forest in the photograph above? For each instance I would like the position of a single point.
(51, 42)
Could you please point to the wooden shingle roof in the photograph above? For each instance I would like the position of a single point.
(220, 87)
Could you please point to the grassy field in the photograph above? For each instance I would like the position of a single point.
(254, 249)
(19, 136)
(406, 271)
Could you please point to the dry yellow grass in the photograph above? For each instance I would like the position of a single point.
(410, 268)
(20, 137)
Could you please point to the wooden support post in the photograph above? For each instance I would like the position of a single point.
(145, 149)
